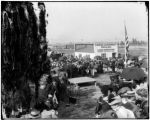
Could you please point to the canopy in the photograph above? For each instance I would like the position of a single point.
(133, 73)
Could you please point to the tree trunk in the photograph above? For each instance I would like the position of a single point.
(36, 90)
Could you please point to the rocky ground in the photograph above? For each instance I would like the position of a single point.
(87, 98)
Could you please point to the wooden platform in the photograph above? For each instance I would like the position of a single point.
(80, 80)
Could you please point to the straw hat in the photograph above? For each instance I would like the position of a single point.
(123, 90)
(129, 94)
(34, 114)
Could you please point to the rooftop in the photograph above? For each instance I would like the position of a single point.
(86, 48)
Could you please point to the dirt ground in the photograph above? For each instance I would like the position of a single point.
(86, 103)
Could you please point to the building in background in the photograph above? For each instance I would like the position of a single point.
(105, 50)
(84, 50)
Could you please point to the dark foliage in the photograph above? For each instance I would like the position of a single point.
(22, 58)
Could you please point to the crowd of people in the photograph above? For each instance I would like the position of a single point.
(53, 88)
(124, 98)
(78, 66)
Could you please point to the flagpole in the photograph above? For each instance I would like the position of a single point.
(125, 53)
(125, 45)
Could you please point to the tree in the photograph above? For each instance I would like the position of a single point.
(24, 49)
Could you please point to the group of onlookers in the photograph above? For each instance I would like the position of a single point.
(124, 98)
(53, 89)
(79, 67)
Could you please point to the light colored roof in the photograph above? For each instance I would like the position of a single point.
(85, 48)
(79, 80)
(65, 51)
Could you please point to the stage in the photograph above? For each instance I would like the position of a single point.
(81, 80)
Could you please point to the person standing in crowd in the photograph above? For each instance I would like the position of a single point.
(113, 65)
(88, 70)
(101, 67)
(63, 88)
(43, 91)
(54, 84)
(69, 69)
(92, 68)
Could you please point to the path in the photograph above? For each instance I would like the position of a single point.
(87, 101)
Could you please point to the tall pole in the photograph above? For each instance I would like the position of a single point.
(74, 49)
(125, 53)
(126, 46)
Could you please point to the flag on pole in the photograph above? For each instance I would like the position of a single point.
(126, 46)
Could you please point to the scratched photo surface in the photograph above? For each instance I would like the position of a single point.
(74, 60)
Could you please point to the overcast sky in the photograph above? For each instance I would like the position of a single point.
(95, 21)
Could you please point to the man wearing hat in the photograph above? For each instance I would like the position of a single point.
(34, 114)
(63, 92)
(128, 101)
(121, 111)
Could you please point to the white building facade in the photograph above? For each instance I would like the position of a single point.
(106, 50)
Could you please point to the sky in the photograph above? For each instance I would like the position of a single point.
(70, 22)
